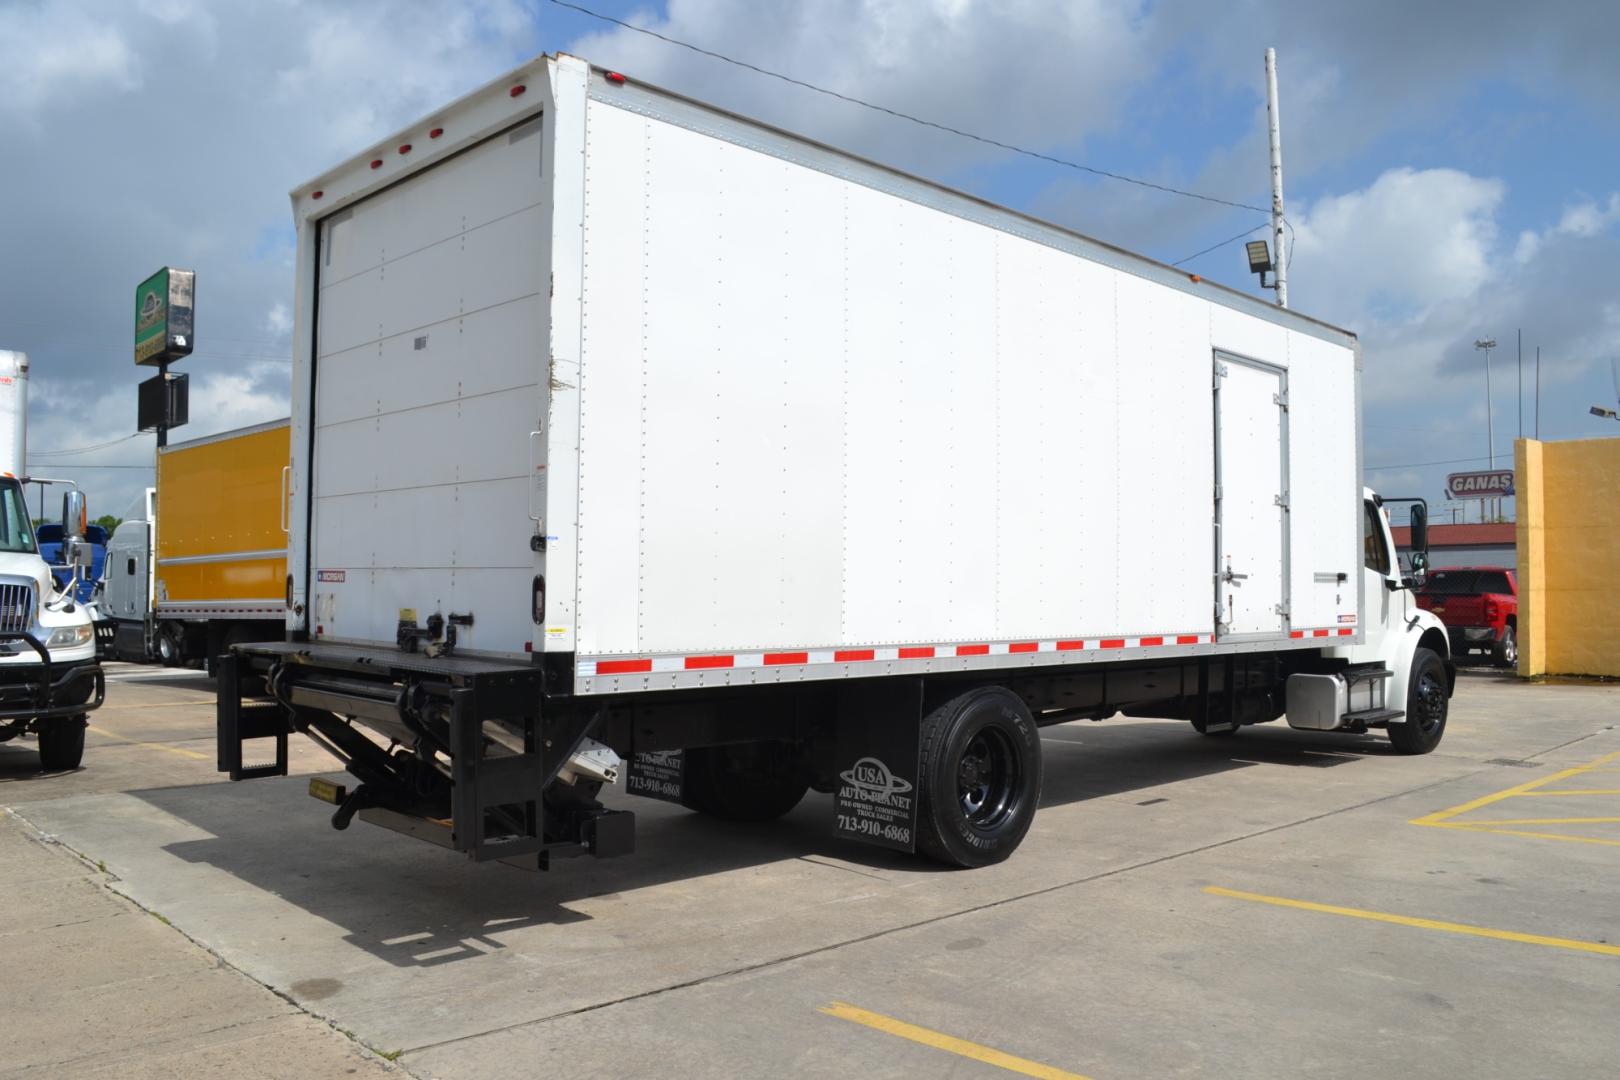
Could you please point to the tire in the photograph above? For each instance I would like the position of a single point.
(61, 744)
(979, 778)
(747, 782)
(168, 647)
(1426, 706)
(1506, 652)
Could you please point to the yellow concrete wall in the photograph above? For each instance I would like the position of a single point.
(1569, 556)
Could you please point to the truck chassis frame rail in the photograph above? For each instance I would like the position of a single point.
(472, 765)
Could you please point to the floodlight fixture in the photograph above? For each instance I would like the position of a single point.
(1260, 261)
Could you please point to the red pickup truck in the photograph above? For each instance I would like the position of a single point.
(1480, 607)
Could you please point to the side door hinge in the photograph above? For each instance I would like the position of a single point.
(1281, 609)
(1280, 500)
(1281, 401)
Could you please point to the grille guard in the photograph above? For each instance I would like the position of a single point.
(42, 686)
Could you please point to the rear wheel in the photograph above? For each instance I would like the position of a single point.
(1506, 653)
(168, 646)
(1426, 706)
(61, 744)
(746, 782)
(980, 778)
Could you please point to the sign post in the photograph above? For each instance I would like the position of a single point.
(163, 332)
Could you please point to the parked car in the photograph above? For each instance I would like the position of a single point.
(1480, 607)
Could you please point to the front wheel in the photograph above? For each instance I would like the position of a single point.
(1426, 706)
(980, 776)
(61, 744)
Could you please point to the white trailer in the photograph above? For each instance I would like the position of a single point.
(624, 427)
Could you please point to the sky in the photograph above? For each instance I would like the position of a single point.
(1452, 172)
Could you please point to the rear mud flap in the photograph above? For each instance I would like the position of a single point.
(875, 792)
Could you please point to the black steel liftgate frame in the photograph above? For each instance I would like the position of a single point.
(454, 785)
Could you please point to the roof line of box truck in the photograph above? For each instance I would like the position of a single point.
(404, 142)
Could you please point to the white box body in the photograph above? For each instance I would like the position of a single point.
(779, 413)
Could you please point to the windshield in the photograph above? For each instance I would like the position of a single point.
(16, 530)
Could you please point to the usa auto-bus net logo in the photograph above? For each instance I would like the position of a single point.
(874, 779)
(151, 310)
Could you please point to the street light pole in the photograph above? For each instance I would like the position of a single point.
(1486, 345)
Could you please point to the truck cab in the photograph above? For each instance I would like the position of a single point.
(49, 678)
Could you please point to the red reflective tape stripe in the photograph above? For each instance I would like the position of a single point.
(973, 650)
(1319, 633)
(1186, 639)
(1112, 643)
(845, 655)
(787, 658)
(693, 662)
(1345, 631)
(917, 653)
(1024, 646)
(1296, 633)
(622, 667)
(1070, 646)
(1152, 641)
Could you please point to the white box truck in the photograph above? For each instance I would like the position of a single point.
(628, 432)
(49, 678)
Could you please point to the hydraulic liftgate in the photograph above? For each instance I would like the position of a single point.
(472, 764)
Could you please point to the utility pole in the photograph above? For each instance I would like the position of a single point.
(1485, 345)
(1521, 383)
(1275, 124)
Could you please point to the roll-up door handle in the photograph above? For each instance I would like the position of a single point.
(286, 473)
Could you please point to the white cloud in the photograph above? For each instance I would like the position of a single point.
(1029, 72)
(278, 320)
(56, 53)
(1583, 220)
(1406, 242)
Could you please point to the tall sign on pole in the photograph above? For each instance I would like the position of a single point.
(164, 318)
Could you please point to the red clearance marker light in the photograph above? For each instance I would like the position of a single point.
(434, 134)
(615, 77)
(517, 91)
(376, 163)
(317, 194)
(405, 149)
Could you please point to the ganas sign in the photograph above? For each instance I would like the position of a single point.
(1492, 484)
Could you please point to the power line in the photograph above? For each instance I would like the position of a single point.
(906, 116)
(85, 449)
(1223, 243)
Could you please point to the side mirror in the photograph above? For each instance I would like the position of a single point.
(75, 515)
(1420, 542)
(1420, 533)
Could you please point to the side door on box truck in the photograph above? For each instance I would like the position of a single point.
(1251, 484)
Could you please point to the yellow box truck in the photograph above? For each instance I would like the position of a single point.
(208, 567)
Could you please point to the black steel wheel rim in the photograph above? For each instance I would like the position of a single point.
(987, 777)
(1431, 702)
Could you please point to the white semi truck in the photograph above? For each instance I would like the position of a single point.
(49, 678)
(632, 434)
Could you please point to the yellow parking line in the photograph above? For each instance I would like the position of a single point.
(1493, 822)
(1569, 791)
(1422, 924)
(151, 745)
(949, 1043)
(1440, 817)
(1466, 827)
